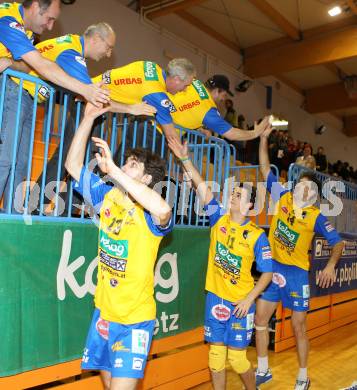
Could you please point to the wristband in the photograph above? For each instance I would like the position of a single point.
(184, 159)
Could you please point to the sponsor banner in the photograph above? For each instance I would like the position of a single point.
(345, 272)
(48, 277)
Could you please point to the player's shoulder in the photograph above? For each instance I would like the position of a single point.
(257, 230)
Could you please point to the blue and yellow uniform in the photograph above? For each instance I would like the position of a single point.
(68, 52)
(233, 249)
(195, 107)
(290, 236)
(15, 40)
(140, 81)
(122, 326)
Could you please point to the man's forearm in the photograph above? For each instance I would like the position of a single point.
(264, 157)
(76, 153)
(235, 134)
(200, 185)
(336, 254)
(56, 75)
(120, 107)
(20, 66)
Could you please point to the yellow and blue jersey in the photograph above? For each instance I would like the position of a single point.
(137, 82)
(68, 52)
(127, 250)
(292, 229)
(15, 40)
(233, 249)
(195, 107)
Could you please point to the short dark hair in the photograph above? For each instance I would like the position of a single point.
(253, 193)
(154, 165)
(311, 177)
(44, 4)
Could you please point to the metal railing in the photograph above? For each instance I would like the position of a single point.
(47, 191)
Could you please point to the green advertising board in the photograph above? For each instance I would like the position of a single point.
(47, 280)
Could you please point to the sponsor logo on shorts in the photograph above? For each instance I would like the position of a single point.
(137, 364)
(237, 326)
(296, 303)
(250, 321)
(207, 331)
(294, 294)
(118, 363)
(139, 341)
(118, 346)
(306, 291)
(306, 303)
(85, 357)
(17, 26)
(221, 312)
(102, 327)
(279, 279)
(200, 89)
(238, 337)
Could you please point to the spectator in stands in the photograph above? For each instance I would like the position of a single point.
(96, 43)
(300, 149)
(273, 146)
(231, 114)
(307, 160)
(321, 160)
(236, 121)
(16, 43)
(289, 156)
(198, 106)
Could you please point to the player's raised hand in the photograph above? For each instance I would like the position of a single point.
(95, 94)
(180, 150)
(92, 112)
(104, 158)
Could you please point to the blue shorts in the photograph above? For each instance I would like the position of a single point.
(223, 327)
(290, 285)
(120, 349)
